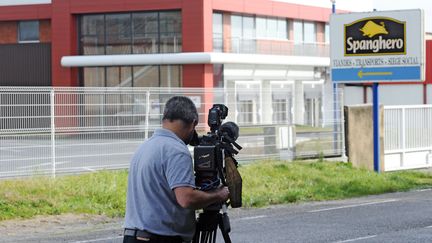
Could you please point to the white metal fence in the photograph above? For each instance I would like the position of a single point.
(407, 137)
(68, 130)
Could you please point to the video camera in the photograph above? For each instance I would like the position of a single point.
(214, 166)
(213, 149)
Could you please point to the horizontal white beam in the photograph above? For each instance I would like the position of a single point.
(23, 2)
(191, 58)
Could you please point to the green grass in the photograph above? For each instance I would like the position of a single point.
(314, 145)
(250, 131)
(264, 183)
(298, 128)
(94, 193)
(271, 182)
(306, 128)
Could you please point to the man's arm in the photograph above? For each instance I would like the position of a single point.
(188, 197)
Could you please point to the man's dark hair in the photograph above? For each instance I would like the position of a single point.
(180, 108)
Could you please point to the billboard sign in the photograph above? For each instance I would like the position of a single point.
(377, 46)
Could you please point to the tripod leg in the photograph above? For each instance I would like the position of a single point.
(197, 235)
(223, 228)
(226, 237)
(202, 237)
(214, 236)
(207, 238)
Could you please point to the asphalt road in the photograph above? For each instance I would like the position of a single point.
(395, 217)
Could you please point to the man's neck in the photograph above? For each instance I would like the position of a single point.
(173, 126)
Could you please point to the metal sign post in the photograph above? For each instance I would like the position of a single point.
(376, 126)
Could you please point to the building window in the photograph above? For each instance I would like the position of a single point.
(298, 31)
(271, 28)
(131, 33)
(217, 32)
(145, 33)
(309, 32)
(138, 33)
(327, 33)
(170, 32)
(28, 31)
(248, 102)
(146, 76)
(218, 77)
(304, 32)
(313, 98)
(92, 38)
(243, 34)
(248, 27)
(118, 34)
(282, 102)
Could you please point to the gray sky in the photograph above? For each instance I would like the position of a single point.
(426, 5)
(370, 5)
(351, 5)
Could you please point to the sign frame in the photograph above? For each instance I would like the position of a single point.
(406, 66)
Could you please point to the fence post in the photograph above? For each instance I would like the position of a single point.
(403, 138)
(147, 120)
(342, 125)
(52, 127)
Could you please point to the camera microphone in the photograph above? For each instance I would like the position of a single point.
(230, 132)
(230, 129)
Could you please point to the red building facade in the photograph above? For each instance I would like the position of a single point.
(59, 27)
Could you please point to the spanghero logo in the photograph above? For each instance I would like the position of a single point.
(375, 36)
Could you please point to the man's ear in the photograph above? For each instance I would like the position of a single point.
(195, 141)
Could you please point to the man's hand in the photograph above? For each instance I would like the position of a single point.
(189, 197)
(223, 193)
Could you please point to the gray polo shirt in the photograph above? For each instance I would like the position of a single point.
(160, 164)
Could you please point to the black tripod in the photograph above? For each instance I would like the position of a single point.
(207, 224)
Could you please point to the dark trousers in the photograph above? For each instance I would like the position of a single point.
(132, 239)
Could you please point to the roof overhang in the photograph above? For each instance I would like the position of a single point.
(191, 58)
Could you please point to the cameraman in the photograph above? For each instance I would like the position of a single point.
(161, 196)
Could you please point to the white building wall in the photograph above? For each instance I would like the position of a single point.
(267, 111)
(411, 94)
(298, 102)
(429, 94)
(265, 75)
(353, 95)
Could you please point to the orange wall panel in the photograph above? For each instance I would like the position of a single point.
(273, 8)
(45, 31)
(86, 6)
(195, 74)
(320, 29)
(197, 35)
(226, 38)
(200, 75)
(58, 26)
(8, 30)
(290, 30)
(63, 43)
(428, 63)
(25, 12)
(197, 29)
